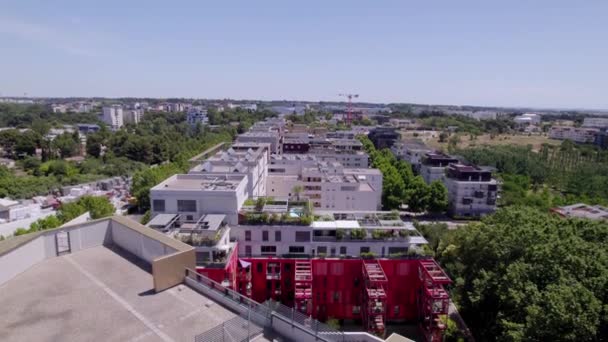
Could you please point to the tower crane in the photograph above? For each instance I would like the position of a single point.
(349, 106)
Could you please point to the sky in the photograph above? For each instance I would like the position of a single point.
(546, 54)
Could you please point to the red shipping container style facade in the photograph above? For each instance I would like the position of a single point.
(373, 291)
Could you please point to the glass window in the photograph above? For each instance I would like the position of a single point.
(264, 235)
(158, 205)
(343, 250)
(248, 250)
(186, 205)
(266, 250)
(364, 250)
(277, 235)
(296, 249)
(248, 235)
(302, 236)
(322, 250)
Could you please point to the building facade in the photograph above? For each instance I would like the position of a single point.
(472, 192)
(575, 134)
(113, 117)
(433, 166)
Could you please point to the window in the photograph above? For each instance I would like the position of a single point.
(248, 235)
(269, 250)
(302, 236)
(296, 249)
(333, 251)
(277, 235)
(264, 235)
(322, 250)
(248, 251)
(364, 250)
(356, 310)
(336, 297)
(158, 205)
(259, 267)
(186, 205)
(396, 310)
(342, 250)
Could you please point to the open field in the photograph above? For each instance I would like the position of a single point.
(431, 138)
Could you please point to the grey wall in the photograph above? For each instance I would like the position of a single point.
(140, 245)
(22, 258)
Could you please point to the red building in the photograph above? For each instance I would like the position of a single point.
(372, 291)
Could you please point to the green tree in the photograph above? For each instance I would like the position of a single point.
(527, 275)
(438, 197)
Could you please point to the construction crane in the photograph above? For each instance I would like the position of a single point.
(349, 106)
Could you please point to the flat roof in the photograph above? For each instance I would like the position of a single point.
(161, 220)
(101, 293)
(345, 224)
(198, 182)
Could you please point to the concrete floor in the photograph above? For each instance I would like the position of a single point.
(100, 294)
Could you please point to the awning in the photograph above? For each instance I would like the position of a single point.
(244, 264)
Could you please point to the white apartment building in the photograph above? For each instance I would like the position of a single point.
(350, 237)
(195, 195)
(433, 166)
(196, 116)
(472, 192)
(273, 138)
(411, 152)
(248, 159)
(133, 116)
(578, 135)
(113, 117)
(327, 185)
(290, 161)
(595, 122)
(528, 119)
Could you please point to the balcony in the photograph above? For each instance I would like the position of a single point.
(359, 235)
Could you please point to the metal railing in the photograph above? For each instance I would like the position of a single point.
(237, 329)
(263, 314)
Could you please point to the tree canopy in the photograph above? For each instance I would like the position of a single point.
(526, 275)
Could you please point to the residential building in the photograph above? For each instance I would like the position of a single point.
(601, 139)
(133, 116)
(595, 122)
(575, 134)
(175, 107)
(273, 138)
(195, 195)
(527, 119)
(412, 152)
(295, 145)
(196, 116)
(433, 166)
(581, 210)
(113, 116)
(327, 184)
(384, 137)
(472, 192)
(248, 159)
(87, 128)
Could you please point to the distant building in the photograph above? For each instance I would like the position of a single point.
(527, 119)
(601, 139)
(412, 152)
(196, 116)
(133, 116)
(575, 134)
(87, 128)
(472, 192)
(272, 138)
(433, 166)
(59, 108)
(383, 137)
(249, 159)
(595, 123)
(582, 210)
(175, 107)
(113, 117)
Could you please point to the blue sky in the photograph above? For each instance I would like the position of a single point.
(507, 53)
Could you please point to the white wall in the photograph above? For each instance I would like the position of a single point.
(140, 245)
(21, 258)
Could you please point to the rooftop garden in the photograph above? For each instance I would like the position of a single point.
(268, 210)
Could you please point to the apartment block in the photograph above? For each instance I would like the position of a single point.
(195, 195)
(196, 116)
(472, 192)
(113, 117)
(248, 159)
(433, 166)
(272, 137)
(412, 152)
(575, 134)
(328, 185)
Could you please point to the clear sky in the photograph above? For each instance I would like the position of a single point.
(511, 53)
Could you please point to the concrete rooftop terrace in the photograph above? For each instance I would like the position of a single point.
(101, 293)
